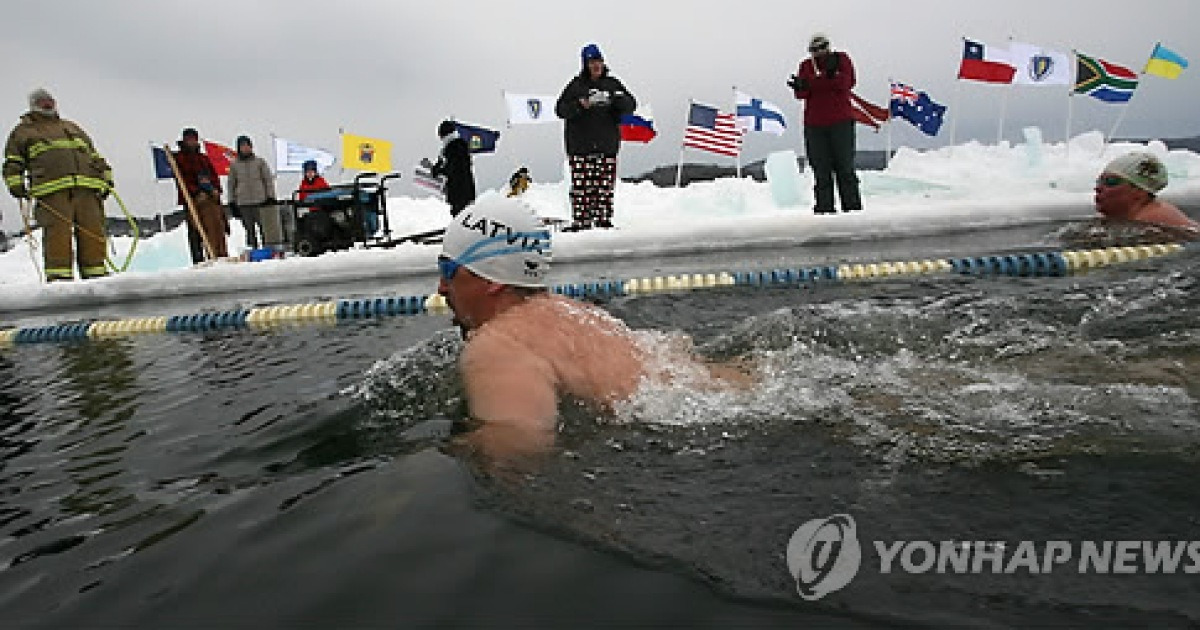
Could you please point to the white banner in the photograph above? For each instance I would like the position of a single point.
(290, 157)
(530, 109)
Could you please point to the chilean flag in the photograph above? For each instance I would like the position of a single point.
(638, 126)
(985, 63)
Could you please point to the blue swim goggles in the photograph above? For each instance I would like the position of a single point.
(447, 267)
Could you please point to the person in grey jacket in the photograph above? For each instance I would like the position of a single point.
(252, 196)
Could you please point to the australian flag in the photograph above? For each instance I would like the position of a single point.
(917, 108)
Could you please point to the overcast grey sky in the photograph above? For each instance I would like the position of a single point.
(135, 71)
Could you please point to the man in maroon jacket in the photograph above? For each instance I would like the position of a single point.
(824, 82)
(204, 186)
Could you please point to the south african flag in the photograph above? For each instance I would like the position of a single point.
(1103, 80)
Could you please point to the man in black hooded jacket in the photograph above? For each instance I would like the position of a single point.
(592, 105)
(454, 163)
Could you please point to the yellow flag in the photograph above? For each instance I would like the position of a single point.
(366, 154)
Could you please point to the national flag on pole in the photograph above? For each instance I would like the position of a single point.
(530, 109)
(1039, 66)
(366, 154)
(710, 130)
(1103, 80)
(290, 156)
(1165, 63)
(479, 139)
(754, 114)
(868, 113)
(162, 168)
(220, 156)
(638, 126)
(988, 64)
(917, 108)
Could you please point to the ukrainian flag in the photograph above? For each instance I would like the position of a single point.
(1165, 63)
(366, 154)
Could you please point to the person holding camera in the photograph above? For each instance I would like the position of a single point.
(592, 104)
(823, 82)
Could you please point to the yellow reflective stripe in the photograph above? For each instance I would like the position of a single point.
(70, 181)
(14, 180)
(39, 148)
(14, 158)
(59, 272)
(90, 272)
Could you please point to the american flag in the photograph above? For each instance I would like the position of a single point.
(712, 131)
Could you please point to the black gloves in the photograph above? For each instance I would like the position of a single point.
(796, 83)
(235, 210)
(831, 61)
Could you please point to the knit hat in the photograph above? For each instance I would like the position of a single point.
(243, 140)
(310, 165)
(500, 239)
(38, 95)
(447, 127)
(1140, 169)
(590, 52)
(818, 42)
(190, 132)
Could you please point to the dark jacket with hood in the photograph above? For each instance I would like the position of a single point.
(593, 129)
(454, 164)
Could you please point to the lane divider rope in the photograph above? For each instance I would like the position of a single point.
(1033, 265)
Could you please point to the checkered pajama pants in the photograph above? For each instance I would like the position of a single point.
(592, 179)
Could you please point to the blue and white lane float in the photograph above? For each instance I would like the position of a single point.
(1040, 264)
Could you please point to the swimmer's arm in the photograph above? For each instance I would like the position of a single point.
(511, 392)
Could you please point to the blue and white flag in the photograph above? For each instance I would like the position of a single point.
(754, 114)
(917, 108)
(290, 157)
(530, 109)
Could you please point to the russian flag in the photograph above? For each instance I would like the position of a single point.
(988, 64)
(638, 126)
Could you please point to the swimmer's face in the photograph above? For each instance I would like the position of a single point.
(1116, 197)
(466, 294)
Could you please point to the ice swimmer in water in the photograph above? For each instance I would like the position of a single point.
(526, 347)
(1127, 190)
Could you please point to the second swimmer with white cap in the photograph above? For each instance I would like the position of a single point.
(526, 347)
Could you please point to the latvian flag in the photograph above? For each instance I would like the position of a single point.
(988, 64)
(1103, 80)
(710, 130)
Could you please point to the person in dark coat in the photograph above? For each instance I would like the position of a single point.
(824, 82)
(454, 164)
(592, 104)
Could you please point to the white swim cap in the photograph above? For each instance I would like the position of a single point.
(502, 240)
(1141, 169)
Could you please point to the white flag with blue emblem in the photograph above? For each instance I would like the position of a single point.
(1040, 66)
(530, 109)
(755, 114)
(290, 156)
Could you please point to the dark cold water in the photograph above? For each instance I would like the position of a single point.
(297, 478)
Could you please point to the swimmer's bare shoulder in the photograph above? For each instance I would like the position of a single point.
(511, 394)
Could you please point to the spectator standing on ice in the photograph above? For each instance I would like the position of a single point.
(203, 185)
(453, 164)
(252, 196)
(53, 161)
(592, 104)
(823, 82)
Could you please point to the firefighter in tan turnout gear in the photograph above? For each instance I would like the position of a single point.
(52, 161)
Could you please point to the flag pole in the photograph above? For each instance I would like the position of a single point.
(1112, 133)
(737, 160)
(887, 146)
(954, 119)
(679, 170)
(1071, 104)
